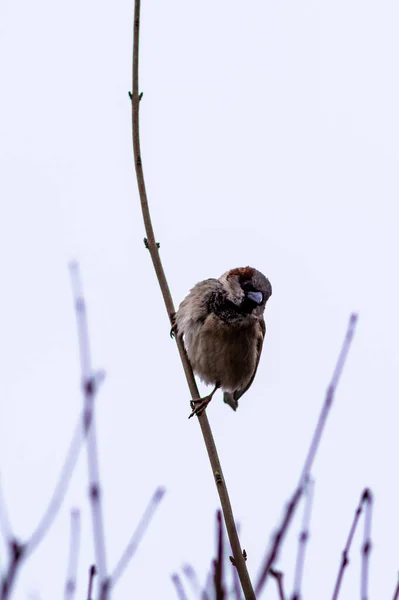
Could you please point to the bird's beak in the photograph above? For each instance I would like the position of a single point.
(256, 297)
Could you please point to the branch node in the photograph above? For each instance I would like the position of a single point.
(218, 477)
(94, 492)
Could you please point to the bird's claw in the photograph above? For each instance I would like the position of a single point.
(199, 405)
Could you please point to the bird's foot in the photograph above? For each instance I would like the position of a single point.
(199, 405)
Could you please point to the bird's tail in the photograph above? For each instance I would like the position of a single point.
(231, 400)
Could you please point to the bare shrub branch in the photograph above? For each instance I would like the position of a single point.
(218, 565)
(92, 574)
(74, 544)
(152, 246)
(137, 536)
(396, 592)
(303, 539)
(345, 553)
(271, 557)
(366, 548)
(90, 384)
(179, 587)
(278, 576)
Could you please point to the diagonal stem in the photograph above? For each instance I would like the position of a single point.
(156, 261)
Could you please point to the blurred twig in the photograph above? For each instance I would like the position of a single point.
(290, 510)
(90, 384)
(303, 538)
(137, 536)
(366, 548)
(218, 565)
(278, 576)
(396, 592)
(70, 586)
(92, 573)
(345, 553)
(153, 248)
(191, 576)
(179, 587)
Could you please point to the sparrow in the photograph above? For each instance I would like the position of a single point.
(222, 326)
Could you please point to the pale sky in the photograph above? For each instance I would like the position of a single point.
(269, 138)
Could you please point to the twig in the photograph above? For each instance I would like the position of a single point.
(345, 553)
(154, 253)
(278, 576)
(179, 587)
(19, 551)
(60, 490)
(191, 576)
(366, 548)
(5, 524)
(70, 586)
(90, 383)
(396, 592)
(92, 573)
(303, 538)
(137, 536)
(290, 510)
(218, 565)
(16, 551)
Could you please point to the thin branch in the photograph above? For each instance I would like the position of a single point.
(16, 551)
(192, 578)
(179, 587)
(278, 576)
(137, 536)
(366, 548)
(218, 566)
(90, 384)
(290, 510)
(396, 592)
(208, 589)
(303, 538)
(345, 553)
(5, 524)
(74, 544)
(156, 260)
(60, 490)
(92, 574)
(20, 551)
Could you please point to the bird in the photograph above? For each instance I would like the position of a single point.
(222, 327)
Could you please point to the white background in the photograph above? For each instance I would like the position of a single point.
(270, 138)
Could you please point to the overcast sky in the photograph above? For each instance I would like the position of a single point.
(270, 138)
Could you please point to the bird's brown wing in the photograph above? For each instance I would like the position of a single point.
(232, 399)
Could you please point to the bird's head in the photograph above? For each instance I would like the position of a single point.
(247, 290)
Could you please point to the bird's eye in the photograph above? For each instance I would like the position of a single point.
(256, 297)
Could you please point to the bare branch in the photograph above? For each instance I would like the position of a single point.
(92, 573)
(345, 553)
(179, 587)
(74, 544)
(153, 248)
(303, 538)
(90, 384)
(278, 576)
(137, 536)
(366, 548)
(290, 510)
(16, 551)
(58, 495)
(192, 578)
(396, 592)
(218, 564)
